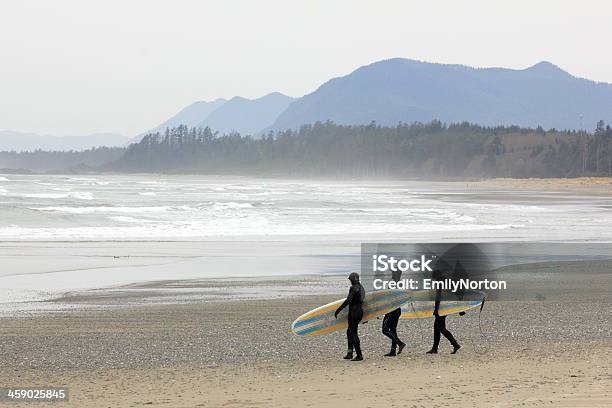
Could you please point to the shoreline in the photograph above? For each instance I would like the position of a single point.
(533, 278)
(603, 182)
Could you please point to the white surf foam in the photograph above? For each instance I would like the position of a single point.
(125, 218)
(229, 227)
(231, 205)
(108, 209)
(82, 179)
(82, 195)
(152, 182)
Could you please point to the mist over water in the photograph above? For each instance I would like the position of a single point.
(151, 207)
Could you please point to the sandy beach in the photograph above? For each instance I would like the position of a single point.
(112, 350)
(243, 354)
(593, 185)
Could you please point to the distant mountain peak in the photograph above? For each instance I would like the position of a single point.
(547, 68)
(191, 115)
(404, 90)
(247, 116)
(276, 94)
(271, 95)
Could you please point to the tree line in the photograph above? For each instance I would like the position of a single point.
(431, 149)
(59, 161)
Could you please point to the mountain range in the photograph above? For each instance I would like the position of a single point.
(247, 116)
(403, 90)
(242, 115)
(191, 116)
(389, 92)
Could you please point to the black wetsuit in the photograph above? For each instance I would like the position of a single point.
(389, 327)
(354, 301)
(440, 326)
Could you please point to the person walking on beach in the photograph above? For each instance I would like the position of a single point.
(440, 321)
(389, 326)
(354, 301)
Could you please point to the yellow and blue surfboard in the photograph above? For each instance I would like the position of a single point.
(421, 303)
(414, 304)
(321, 320)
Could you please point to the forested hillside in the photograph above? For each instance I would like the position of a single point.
(416, 150)
(55, 161)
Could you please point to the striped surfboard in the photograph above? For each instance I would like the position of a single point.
(321, 320)
(421, 304)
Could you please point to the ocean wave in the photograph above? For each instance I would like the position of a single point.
(153, 182)
(231, 205)
(109, 209)
(124, 218)
(465, 218)
(148, 193)
(3, 179)
(425, 214)
(81, 179)
(81, 195)
(229, 228)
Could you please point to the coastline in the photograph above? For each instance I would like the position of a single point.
(207, 322)
(592, 185)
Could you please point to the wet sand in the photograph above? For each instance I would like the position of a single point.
(590, 185)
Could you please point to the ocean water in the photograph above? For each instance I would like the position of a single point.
(191, 208)
(62, 234)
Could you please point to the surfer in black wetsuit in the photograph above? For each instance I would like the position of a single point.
(354, 300)
(440, 321)
(389, 326)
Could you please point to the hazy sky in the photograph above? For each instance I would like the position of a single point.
(78, 67)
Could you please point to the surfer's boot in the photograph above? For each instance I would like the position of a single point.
(432, 351)
(456, 348)
(391, 353)
(358, 357)
(400, 347)
(349, 355)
